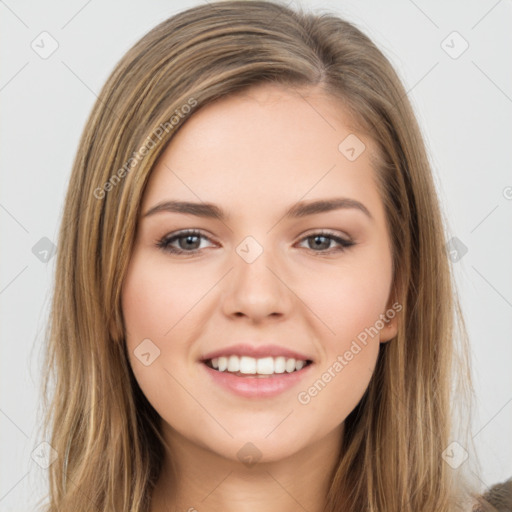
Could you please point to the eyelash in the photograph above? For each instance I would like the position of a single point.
(164, 243)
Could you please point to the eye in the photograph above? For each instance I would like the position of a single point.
(322, 240)
(189, 242)
(186, 240)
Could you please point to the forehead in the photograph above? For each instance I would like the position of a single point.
(267, 145)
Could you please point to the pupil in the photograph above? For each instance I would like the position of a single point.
(326, 240)
(189, 238)
(319, 241)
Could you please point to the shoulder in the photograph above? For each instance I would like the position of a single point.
(497, 499)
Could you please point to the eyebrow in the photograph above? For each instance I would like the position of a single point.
(300, 209)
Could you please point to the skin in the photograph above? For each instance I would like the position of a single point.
(255, 154)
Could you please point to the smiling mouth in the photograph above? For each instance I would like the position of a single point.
(257, 368)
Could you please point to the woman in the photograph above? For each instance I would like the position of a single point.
(300, 355)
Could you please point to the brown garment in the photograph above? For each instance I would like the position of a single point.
(497, 499)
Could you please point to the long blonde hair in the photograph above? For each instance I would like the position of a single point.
(104, 430)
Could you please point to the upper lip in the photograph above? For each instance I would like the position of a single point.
(258, 352)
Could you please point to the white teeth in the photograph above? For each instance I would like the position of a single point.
(247, 365)
(279, 364)
(290, 365)
(233, 364)
(251, 365)
(265, 366)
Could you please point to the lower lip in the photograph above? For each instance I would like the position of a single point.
(258, 387)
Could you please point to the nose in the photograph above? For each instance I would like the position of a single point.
(257, 289)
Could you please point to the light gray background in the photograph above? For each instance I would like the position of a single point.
(464, 106)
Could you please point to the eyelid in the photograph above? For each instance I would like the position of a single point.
(344, 241)
(184, 232)
(334, 233)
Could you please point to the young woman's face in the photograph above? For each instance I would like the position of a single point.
(259, 282)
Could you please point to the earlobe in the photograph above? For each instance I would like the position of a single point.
(391, 316)
(389, 331)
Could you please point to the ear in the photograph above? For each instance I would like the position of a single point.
(389, 331)
(390, 320)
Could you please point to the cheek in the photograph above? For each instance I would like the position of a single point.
(350, 306)
(155, 308)
(155, 301)
(151, 308)
(346, 300)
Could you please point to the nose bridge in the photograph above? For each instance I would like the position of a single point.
(255, 287)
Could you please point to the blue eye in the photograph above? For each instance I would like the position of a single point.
(189, 242)
(323, 238)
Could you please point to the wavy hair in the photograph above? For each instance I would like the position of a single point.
(105, 432)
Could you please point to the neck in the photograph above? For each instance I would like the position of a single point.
(197, 479)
